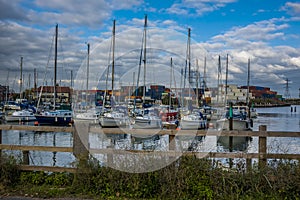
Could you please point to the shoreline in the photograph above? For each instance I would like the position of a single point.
(272, 105)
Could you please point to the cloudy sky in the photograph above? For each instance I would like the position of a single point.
(266, 32)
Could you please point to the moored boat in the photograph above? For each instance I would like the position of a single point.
(239, 121)
(113, 119)
(55, 117)
(193, 121)
(20, 116)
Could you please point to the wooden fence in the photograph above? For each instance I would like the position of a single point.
(80, 144)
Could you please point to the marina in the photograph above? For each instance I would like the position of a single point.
(278, 119)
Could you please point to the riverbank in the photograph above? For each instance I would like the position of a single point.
(187, 178)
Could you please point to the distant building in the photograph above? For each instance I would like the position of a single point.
(64, 94)
(235, 94)
(259, 92)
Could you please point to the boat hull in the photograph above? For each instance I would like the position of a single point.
(223, 124)
(54, 120)
(192, 124)
(147, 123)
(112, 122)
(20, 118)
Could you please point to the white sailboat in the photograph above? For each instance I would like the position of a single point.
(112, 117)
(192, 120)
(144, 118)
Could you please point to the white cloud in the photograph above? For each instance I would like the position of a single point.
(197, 7)
(292, 8)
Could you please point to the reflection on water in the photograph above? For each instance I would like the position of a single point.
(276, 119)
(42, 158)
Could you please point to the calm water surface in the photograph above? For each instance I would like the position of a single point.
(276, 119)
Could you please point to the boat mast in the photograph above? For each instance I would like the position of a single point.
(197, 86)
(55, 67)
(145, 40)
(21, 77)
(113, 59)
(226, 80)
(219, 77)
(87, 75)
(189, 53)
(171, 70)
(248, 81)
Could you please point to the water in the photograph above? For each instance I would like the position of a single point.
(275, 118)
(278, 119)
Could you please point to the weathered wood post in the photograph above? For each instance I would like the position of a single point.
(172, 142)
(81, 142)
(262, 146)
(25, 157)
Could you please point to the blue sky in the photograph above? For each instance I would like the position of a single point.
(265, 31)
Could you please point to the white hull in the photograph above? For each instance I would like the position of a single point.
(19, 118)
(112, 122)
(192, 124)
(147, 123)
(22, 115)
(89, 117)
(223, 124)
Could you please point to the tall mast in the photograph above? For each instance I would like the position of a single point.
(143, 50)
(204, 75)
(171, 70)
(21, 77)
(55, 66)
(197, 82)
(219, 76)
(145, 40)
(189, 53)
(248, 81)
(87, 73)
(113, 58)
(226, 79)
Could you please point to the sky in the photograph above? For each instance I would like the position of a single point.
(264, 31)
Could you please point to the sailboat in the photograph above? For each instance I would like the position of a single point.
(144, 118)
(240, 118)
(193, 119)
(112, 117)
(169, 116)
(55, 117)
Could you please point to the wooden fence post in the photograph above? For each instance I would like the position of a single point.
(262, 146)
(172, 142)
(25, 157)
(81, 142)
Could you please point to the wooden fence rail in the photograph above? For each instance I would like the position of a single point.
(78, 145)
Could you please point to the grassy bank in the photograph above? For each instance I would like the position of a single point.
(188, 178)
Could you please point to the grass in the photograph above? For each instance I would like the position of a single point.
(187, 178)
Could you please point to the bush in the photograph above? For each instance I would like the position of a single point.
(9, 171)
(187, 178)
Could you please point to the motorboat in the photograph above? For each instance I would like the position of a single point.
(20, 116)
